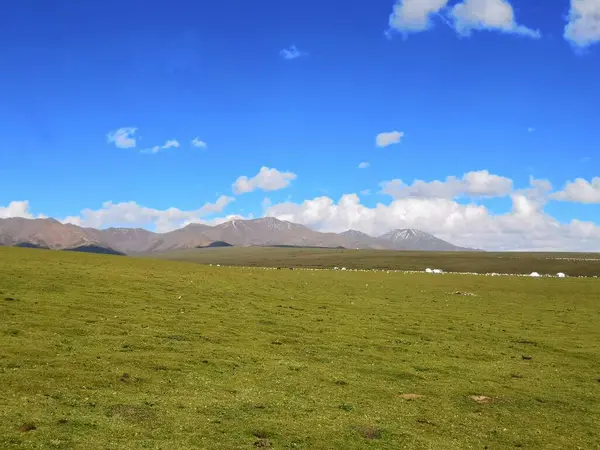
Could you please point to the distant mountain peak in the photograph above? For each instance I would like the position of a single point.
(412, 239)
(407, 233)
(354, 233)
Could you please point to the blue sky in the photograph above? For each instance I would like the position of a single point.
(304, 88)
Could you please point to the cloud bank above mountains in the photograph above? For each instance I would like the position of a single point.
(451, 209)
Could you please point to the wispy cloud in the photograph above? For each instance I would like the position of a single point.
(530, 129)
(196, 142)
(292, 52)
(363, 165)
(123, 137)
(171, 143)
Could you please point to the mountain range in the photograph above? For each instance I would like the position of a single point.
(268, 231)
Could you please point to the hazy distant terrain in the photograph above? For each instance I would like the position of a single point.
(573, 264)
(268, 231)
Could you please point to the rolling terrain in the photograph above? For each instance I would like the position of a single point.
(573, 264)
(108, 352)
(268, 231)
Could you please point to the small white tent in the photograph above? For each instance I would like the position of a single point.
(534, 274)
(428, 270)
(561, 275)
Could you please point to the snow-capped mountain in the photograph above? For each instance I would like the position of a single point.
(410, 239)
(267, 231)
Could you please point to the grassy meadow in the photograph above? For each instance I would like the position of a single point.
(109, 352)
(573, 264)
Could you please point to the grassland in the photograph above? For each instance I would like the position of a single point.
(573, 264)
(123, 353)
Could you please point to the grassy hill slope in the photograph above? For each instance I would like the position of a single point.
(122, 353)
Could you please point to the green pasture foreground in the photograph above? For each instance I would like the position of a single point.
(107, 352)
(573, 264)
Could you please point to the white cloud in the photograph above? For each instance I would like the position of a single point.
(525, 227)
(196, 142)
(466, 16)
(171, 143)
(17, 208)
(496, 15)
(266, 179)
(414, 15)
(388, 138)
(363, 165)
(530, 129)
(134, 215)
(583, 27)
(292, 52)
(123, 137)
(472, 184)
(580, 191)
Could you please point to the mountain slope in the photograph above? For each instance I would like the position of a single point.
(409, 239)
(267, 231)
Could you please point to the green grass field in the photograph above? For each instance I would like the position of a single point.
(573, 264)
(108, 352)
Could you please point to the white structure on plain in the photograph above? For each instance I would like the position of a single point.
(438, 271)
(561, 275)
(428, 270)
(343, 268)
(535, 275)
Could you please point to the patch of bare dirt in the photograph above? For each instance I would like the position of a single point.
(369, 433)
(411, 396)
(481, 399)
(27, 427)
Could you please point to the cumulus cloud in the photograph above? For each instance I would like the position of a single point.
(134, 215)
(292, 52)
(363, 165)
(17, 208)
(495, 15)
(196, 142)
(266, 180)
(525, 227)
(429, 206)
(414, 15)
(123, 137)
(580, 191)
(583, 26)
(472, 184)
(468, 15)
(388, 138)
